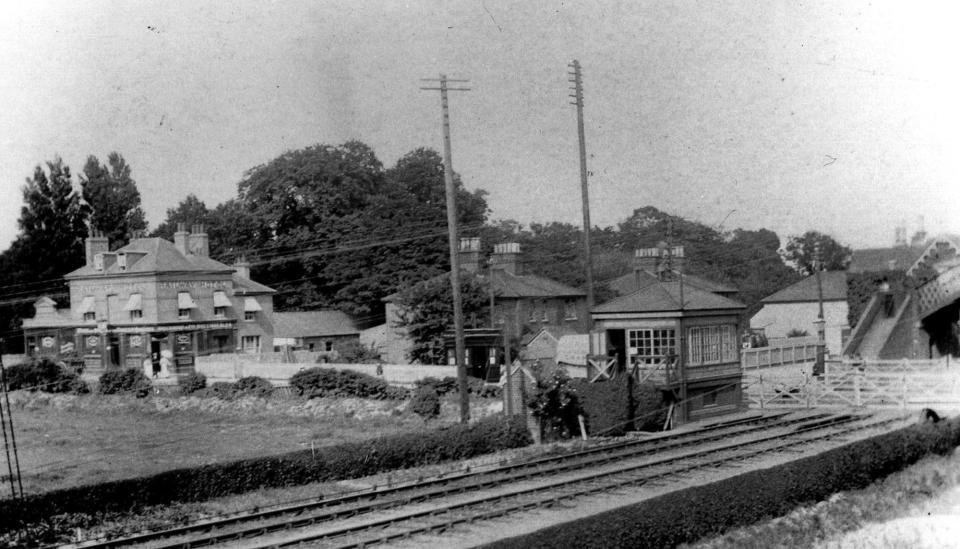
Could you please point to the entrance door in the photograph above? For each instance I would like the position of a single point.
(114, 354)
(155, 355)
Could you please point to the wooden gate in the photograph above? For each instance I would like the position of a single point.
(895, 383)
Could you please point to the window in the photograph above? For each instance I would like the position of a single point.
(543, 312)
(532, 312)
(220, 304)
(98, 262)
(89, 316)
(570, 310)
(134, 306)
(249, 315)
(183, 313)
(184, 304)
(250, 344)
(711, 344)
(652, 345)
(136, 314)
(327, 345)
(220, 312)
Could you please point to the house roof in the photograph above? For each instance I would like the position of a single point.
(313, 324)
(517, 286)
(883, 259)
(665, 297)
(834, 285)
(154, 255)
(628, 283)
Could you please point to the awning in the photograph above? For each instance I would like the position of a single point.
(250, 304)
(184, 301)
(220, 299)
(88, 305)
(135, 303)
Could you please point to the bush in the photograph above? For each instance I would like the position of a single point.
(221, 389)
(131, 380)
(685, 516)
(342, 461)
(554, 402)
(450, 385)
(425, 402)
(323, 382)
(443, 386)
(193, 383)
(44, 375)
(354, 352)
(252, 386)
(616, 406)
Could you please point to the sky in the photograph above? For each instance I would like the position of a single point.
(834, 116)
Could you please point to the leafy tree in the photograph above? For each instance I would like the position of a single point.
(754, 265)
(800, 251)
(113, 199)
(191, 211)
(426, 312)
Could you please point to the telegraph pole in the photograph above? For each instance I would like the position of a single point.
(7, 420)
(454, 242)
(587, 257)
(821, 328)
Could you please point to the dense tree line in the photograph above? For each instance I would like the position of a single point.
(331, 226)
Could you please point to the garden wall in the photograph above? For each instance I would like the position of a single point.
(687, 515)
(230, 367)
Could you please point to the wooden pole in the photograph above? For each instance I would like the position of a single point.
(584, 194)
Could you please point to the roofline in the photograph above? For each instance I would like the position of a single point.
(813, 300)
(127, 274)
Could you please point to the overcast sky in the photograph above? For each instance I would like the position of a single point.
(835, 116)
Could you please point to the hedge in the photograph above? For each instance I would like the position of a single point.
(610, 407)
(323, 382)
(343, 461)
(687, 515)
(44, 375)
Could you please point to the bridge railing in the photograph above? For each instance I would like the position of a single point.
(778, 355)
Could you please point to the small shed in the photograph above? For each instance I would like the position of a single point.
(325, 330)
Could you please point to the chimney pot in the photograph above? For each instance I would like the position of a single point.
(505, 257)
(470, 254)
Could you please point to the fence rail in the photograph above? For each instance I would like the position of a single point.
(780, 355)
(898, 384)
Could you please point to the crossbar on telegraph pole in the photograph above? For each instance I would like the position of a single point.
(451, 192)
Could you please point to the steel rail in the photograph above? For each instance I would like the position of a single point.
(639, 446)
(379, 524)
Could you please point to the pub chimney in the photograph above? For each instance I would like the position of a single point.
(199, 242)
(180, 238)
(95, 244)
(242, 267)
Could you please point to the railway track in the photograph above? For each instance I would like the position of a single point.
(440, 503)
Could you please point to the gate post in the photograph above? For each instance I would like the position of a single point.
(856, 390)
(761, 392)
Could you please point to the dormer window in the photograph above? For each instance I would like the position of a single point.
(98, 262)
(122, 261)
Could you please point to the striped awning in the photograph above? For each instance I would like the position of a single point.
(135, 303)
(220, 299)
(250, 305)
(184, 301)
(87, 305)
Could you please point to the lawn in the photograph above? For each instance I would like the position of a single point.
(67, 440)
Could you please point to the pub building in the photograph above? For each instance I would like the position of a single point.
(149, 300)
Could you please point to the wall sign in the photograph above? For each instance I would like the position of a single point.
(136, 341)
(48, 342)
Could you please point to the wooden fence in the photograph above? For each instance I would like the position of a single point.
(884, 384)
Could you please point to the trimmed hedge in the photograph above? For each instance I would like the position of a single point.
(323, 382)
(343, 461)
(687, 515)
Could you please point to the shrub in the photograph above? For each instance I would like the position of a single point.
(193, 383)
(221, 389)
(131, 380)
(447, 384)
(321, 382)
(619, 405)
(342, 461)
(252, 386)
(425, 402)
(44, 375)
(396, 393)
(354, 352)
(554, 402)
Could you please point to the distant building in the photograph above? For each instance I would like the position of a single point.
(649, 268)
(939, 253)
(151, 299)
(796, 308)
(323, 331)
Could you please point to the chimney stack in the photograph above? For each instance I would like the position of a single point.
(242, 267)
(505, 257)
(180, 238)
(95, 244)
(470, 254)
(647, 259)
(199, 242)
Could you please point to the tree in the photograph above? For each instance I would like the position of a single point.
(49, 245)
(112, 198)
(753, 263)
(190, 211)
(426, 312)
(800, 251)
